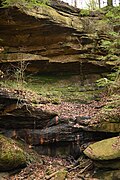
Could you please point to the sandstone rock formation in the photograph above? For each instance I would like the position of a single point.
(43, 129)
(104, 150)
(106, 153)
(51, 38)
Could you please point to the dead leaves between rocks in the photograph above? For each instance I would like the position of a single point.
(75, 171)
(62, 174)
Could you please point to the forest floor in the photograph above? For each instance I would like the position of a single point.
(54, 168)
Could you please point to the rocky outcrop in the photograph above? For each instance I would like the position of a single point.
(17, 111)
(51, 38)
(43, 129)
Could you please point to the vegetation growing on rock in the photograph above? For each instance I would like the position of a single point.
(89, 40)
(29, 3)
(11, 154)
(104, 150)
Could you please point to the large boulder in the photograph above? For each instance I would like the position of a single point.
(107, 149)
(11, 154)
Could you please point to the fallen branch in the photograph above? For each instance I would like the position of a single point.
(73, 168)
(86, 168)
(78, 165)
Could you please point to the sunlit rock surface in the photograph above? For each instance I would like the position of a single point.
(107, 149)
(51, 38)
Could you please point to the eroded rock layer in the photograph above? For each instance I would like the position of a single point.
(49, 35)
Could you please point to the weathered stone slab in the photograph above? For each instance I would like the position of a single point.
(107, 149)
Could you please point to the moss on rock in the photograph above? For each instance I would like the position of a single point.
(11, 154)
(107, 149)
(107, 127)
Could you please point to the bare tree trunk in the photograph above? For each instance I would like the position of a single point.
(109, 2)
(75, 3)
(99, 3)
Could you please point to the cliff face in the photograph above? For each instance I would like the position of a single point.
(52, 38)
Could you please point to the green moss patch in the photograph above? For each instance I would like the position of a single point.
(104, 150)
(56, 89)
(11, 154)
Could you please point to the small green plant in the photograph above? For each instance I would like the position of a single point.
(102, 82)
(84, 12)
(106, 44)
(113, 13)
(111, 82)
(111, 46)
(113, 33)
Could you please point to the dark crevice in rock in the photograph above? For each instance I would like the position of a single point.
(46, 67)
